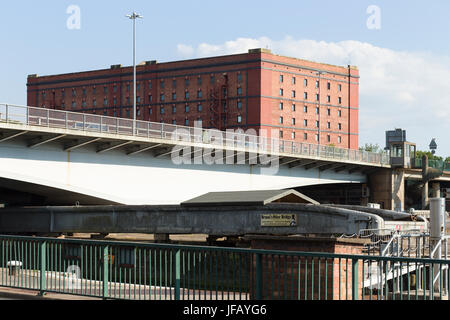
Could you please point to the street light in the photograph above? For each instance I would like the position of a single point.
(133, 17)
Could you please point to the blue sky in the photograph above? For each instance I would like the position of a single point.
(410, 51)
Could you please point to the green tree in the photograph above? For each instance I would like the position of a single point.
(369, 147)
(430, 156)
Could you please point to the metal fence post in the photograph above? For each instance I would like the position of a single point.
(258, 277)
(105, 272)
(177, 274)
(355, 280)
(43, 254)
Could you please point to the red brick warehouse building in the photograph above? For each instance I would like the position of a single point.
(258, 90)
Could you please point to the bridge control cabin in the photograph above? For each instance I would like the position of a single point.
(403, 153)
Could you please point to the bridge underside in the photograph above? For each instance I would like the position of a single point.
(337, 193)
(19, 193)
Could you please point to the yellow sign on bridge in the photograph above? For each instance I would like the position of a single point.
(279, 220)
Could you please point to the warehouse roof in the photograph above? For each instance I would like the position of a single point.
(261, 197)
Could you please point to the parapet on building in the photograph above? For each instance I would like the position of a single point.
(303, 101)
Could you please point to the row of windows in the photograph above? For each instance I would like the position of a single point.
(305, 109)
(162, 96)
(139, 113)
(305, 83)
(305, 137)
(187, 121)
(305, 96)
(305, 123)
(187, 82)
(150, 98)
(138, 86)
(138, 100)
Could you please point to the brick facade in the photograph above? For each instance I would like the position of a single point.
(306, 278)
(257, 90)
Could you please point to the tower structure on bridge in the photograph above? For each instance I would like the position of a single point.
(255, 90)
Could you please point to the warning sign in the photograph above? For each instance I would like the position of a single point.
(278, 220)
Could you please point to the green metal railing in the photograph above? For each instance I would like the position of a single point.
(136, 271)
(437, 164)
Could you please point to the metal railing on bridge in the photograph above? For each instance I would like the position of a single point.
(145, 129)
(137, 271)
(441, 165)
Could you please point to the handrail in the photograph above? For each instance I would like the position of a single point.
(122, 270)
(438, 245)
(113, 125)
(394, 236)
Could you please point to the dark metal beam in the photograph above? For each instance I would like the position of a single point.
(109, 146)
(341, 168)
(163, 152)
(4, 138)
(301, 163)
(41, 140)
(77, 144)
(330, 166)
(316, 165)
(355, 169)
(240, 220)
(140, 150)
(287, 161)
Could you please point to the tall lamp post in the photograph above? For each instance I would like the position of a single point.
(133, 17)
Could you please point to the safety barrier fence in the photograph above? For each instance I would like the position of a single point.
(147, 271)
(441, 165)
(145, 129)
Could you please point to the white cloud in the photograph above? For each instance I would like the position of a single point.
(185, 50)
(398, 89)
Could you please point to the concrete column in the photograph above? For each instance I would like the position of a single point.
(398, 189)
(379, 183)
(436, 187)
(425, 200)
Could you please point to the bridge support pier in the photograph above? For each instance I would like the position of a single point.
(436, 189)
(387, 187)
(425, 199)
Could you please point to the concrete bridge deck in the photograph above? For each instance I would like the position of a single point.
(74, 130)
(65, 158)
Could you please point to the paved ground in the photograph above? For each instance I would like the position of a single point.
(18, 294)
(140, 237)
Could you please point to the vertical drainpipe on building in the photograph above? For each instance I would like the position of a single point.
(121, 94)
(349, 108)
(246, 100)
(143, 95)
